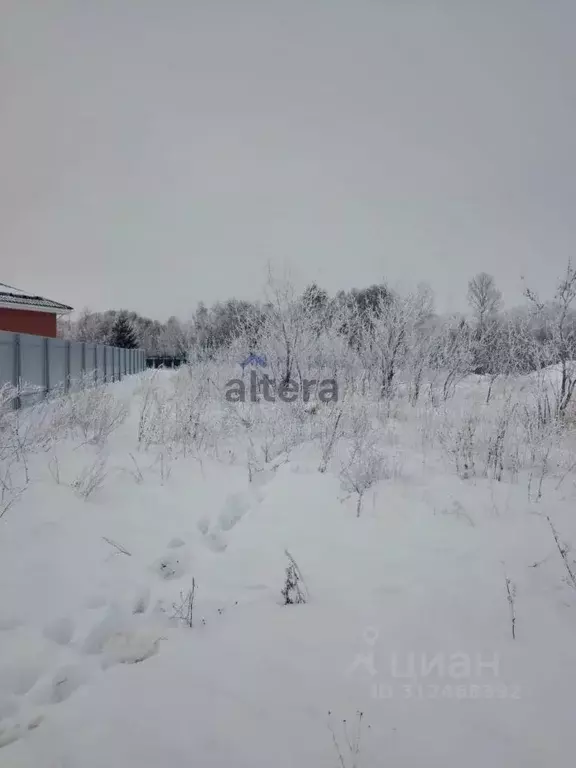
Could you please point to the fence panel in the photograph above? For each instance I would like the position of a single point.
(109, 363)
(76, 363)
(32, 368)
(90, 362)
(57, 367)
(37, 364)
(100, 362)
(6, 357)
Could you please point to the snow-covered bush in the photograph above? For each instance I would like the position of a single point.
(330, 431)
(91, 477)
(174, 412)
(95, 412)
(183, 611)
(294, 591)
(365, 468)
(458, 439)
(366, 463)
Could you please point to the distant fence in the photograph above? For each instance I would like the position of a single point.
(35, 365)
(164, 361)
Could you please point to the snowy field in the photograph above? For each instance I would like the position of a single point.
(430, 545)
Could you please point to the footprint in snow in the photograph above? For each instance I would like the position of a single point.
(61, 685)
(203, 525)
(171, 566)
(215, 541)
(8, 705)
(234, 509)
(20, 676)
(15, 731)
(113, 622)
(96, 601)
(60, 630)
(142, 601)
(130, 647)
(9, 622)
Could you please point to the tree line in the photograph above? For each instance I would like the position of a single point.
(381, 329)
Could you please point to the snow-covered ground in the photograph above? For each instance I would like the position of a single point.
(410, 607)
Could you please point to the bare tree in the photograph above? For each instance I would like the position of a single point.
(175, 338)
(454, 353)
(560, 333)
(288, 330)
(484, 298)
(390, 332)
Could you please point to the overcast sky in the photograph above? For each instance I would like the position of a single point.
(156, 153)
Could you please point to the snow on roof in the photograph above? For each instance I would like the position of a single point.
(18, 298)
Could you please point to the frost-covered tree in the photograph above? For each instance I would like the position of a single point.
(560, 334)
(88, 327)
(224, 323)
(286, 329)
(484, 298)
(388, 334)
(174, 338)
(454, 353)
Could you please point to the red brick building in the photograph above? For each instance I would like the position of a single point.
(22, 313)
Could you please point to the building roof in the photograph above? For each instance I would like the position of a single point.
(14, 298)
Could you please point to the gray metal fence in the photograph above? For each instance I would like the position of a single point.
(36, 365)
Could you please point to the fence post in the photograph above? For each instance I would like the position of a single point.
(16, 371)
(46, 367)
(95, 361)
(67, 353)
(82, 359)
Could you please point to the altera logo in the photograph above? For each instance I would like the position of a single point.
(252, 359)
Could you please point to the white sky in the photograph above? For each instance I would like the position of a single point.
(156, 153)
